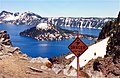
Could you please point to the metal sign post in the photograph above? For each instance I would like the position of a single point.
(78, 48)
(78, 68)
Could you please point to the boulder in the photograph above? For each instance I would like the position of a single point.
(69, 71)
(4, 38)
(57, 68)
(40, 60)
(43, 67)
(4, 56)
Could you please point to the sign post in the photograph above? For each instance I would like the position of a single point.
(78, 67)
(78, 48)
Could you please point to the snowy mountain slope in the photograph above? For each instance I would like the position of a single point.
(27, 18)
(93, 51)
(30, 18)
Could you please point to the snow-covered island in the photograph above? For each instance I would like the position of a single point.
(45, 31)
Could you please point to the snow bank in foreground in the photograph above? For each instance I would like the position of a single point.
(93, 51)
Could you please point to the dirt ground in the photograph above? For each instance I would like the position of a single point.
(15, 67)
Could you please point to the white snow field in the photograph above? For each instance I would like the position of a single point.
(96, 50)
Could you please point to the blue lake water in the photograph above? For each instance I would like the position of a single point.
(35, 48)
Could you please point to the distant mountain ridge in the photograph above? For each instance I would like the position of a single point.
(29, 18)
(90, 22)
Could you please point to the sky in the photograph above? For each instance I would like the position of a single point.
(64, 8)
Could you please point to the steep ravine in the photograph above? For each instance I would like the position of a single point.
(110, 64)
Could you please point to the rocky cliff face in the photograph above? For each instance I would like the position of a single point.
(4, 38)
(91, 22)
(6, 48)
(30, 18)
(112, 29)
(110, 65)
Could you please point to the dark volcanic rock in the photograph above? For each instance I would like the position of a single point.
(110, 28)
(4, 38)
(6, 48)
(106, 30)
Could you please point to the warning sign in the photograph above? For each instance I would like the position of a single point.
(78, 47)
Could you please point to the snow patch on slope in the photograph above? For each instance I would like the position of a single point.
(43, 26)
(93, 51)
(11, 17)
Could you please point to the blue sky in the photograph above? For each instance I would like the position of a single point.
(67, 8)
